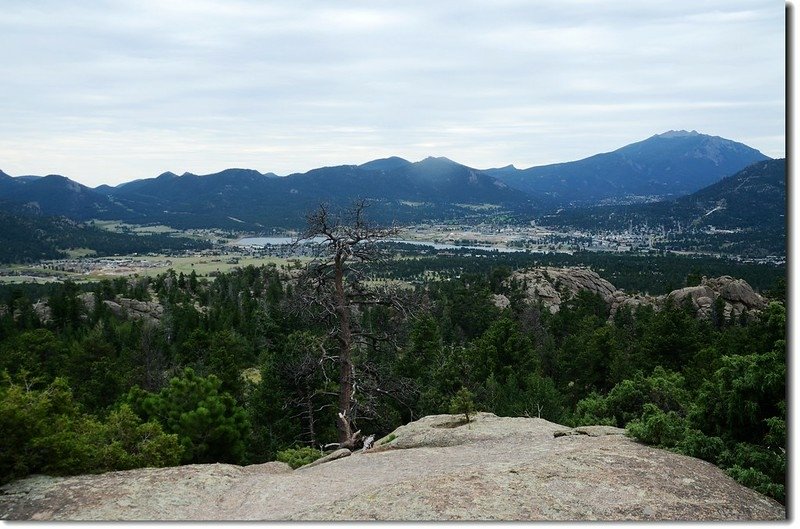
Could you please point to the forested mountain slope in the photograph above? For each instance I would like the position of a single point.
(750, 204)
(674, 163)
(27, 238)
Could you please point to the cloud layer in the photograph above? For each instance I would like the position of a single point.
(109, 92)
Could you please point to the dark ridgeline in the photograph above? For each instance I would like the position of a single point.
(747, 208)
(669, 164)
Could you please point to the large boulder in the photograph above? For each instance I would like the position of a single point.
(151, 311)
(700, 297)
(500, 301)
(735, 296)
(553, 286)
(43, 312)
(738, 296)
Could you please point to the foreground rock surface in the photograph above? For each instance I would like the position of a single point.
(433, 469)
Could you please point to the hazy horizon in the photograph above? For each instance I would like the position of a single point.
(282, 175)
(129, 90)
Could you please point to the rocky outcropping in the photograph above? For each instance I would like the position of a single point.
(553, 286)
(134, 309)
(500, 301)
(734, 296)
(151, 311)
(42, 311)
(437, 468)
(336, 454)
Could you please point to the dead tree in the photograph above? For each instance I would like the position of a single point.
(302, 370)
(333, 289)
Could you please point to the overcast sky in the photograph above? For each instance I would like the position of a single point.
(106, 92)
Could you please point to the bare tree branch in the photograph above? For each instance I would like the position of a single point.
(333, 291)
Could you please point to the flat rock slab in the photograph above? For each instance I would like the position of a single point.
(337, 454)
(591, 431)
(433, 469)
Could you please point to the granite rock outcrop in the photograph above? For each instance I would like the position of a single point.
(436, 468)
(552, 287)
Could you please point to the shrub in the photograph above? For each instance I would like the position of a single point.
(627, 400)
(299, 456)
(697, 444)
(130, 443)
(592, 410)
(656, 427)
(758, 481)
(45, 432)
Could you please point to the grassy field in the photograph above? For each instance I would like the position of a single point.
(160, 229)
(119, 227)
(75, 253)
(13, 280)
(202, 265)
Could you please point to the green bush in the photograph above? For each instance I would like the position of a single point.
(697, 444)
(626, 401)
(758, 481)
(130, 443)
(771, 463)
(592, 410)
(44, 431)
(656, 427)
(299, 456)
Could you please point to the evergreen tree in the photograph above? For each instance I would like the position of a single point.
(210, 426)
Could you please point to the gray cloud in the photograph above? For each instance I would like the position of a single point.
(108, 92)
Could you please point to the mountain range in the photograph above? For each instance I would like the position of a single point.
(756, 194)
(746, 208)
(238, 196)
(670, 164)
(666, 165)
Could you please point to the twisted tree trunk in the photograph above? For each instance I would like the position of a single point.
(346, 379)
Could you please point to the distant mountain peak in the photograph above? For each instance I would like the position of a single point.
(440, 161)
(392, 159)
(385, 164)
(237, 171)
(57, 177)
(678, 134)
(673, 163)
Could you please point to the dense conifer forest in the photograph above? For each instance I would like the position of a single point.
(235, 370)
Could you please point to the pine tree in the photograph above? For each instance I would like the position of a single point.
(463, 403)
